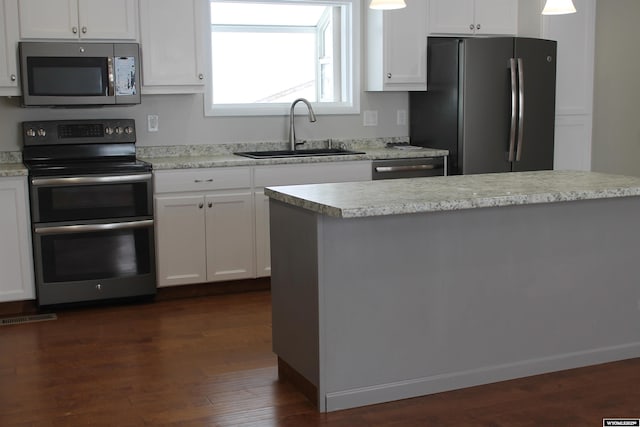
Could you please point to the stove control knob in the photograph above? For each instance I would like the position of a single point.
(31, 133)
(42, 132)
(118, 130)
(128, 130)
(108, 130)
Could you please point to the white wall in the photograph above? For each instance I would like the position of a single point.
(182, 121)
(616, 128)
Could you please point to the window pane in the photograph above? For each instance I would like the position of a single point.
(251, 70)
(266, 54)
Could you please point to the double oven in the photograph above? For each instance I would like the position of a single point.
(91, 206)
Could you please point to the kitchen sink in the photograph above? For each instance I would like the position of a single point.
(296, 153)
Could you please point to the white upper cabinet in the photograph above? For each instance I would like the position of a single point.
(397, 48)
(473, 17)
(78, 19)
(8, 48)
(171, 33)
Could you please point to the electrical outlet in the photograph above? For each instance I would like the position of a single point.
(370, 118)
(401, 117)
(152, 123)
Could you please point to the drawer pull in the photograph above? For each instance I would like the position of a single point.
(200, 180)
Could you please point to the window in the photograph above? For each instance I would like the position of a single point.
(267, 53)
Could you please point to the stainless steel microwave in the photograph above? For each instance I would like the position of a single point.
(67, 74)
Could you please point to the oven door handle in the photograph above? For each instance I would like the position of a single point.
(86, 228)
(75, 180)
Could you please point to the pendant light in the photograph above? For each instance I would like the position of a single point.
(387, 4)
(558, 7)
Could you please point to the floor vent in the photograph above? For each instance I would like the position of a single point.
(27, 319)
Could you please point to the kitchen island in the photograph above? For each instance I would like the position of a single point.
(392, 289)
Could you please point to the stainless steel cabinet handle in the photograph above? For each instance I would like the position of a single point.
(13, 77)
(201, 76)
(91, 180)
(111, 88)
(514, 109)
(84, 30)
(520, 109)
(471, 27)
(389, 75)
(74, 30)
(85, 228)
(385, 169)
(201, 180)
(478, 27)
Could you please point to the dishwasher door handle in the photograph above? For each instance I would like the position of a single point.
(408, 168)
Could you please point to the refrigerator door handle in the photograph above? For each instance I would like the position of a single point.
(520, 108)
(514, 109)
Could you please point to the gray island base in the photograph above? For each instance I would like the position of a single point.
(475, 279)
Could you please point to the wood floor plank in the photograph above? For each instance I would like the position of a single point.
(207, 361)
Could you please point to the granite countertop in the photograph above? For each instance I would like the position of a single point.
(420, 195)
(12, 169)
(207, 157)
(11, 164)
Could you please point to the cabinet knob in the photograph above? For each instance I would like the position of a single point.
(471, 27)
(388, 75)
(84, 30)
(210, 204)
(478, 27)
(13, 77)
(201, 76)
(74, 30)
(201, 205)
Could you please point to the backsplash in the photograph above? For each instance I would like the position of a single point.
(221, 149)
(10, 157)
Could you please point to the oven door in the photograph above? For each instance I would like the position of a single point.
(82, 198)
(94, 261)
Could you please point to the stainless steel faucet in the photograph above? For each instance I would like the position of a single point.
(292, 129)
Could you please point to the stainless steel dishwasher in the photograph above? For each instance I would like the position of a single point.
(409, 168)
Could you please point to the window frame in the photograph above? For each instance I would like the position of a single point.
(348, 47)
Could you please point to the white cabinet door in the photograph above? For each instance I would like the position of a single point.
(113, 19)
(229, 230)
(180, 240)
(263, 248)
(496, 17)
(49, 19)
(451, 16)
(397, 48)
(73, 19)
(473, 17)
(9, 48)
(16, 265)
(172, 34)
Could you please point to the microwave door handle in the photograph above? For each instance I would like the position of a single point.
(110, 89)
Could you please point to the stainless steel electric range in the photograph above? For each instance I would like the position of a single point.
(91, 206)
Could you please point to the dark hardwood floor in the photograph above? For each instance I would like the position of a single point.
(207, 361)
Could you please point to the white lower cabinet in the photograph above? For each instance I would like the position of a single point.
(16, 260)
(213, 224)
(204, 225)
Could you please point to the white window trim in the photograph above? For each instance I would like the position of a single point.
(352, 44)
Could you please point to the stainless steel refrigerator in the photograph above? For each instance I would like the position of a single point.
(490, 102)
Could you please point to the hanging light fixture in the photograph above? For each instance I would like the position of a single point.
(558, 7)
(387, 4)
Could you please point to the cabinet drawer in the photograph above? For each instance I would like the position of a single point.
(312, 173)
(167, 181)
